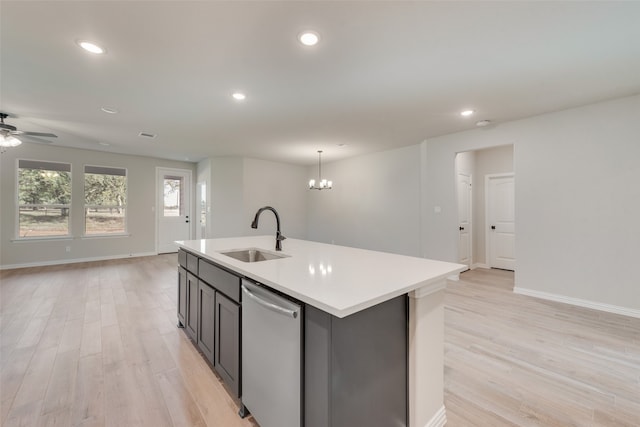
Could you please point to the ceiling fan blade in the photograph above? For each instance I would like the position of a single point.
(27, 136)
(48, 135)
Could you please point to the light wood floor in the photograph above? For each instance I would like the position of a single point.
(95, 344)
(513, 360)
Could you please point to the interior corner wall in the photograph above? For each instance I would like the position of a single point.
(576, 195)
(141, 203)
(374, 203)
(227, 187)
(283, 187)
(240, 186)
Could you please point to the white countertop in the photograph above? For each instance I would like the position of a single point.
(336, 279)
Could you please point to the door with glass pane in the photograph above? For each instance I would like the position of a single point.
(201, 228)
(173, 208)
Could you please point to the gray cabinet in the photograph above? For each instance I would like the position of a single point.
(191, 324)
(227, 354)
(182, 296)
(356, 367)
(209, 308)
(206, 320)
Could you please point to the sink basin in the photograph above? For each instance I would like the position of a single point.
(253, 255)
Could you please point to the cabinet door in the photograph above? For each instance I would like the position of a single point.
(206, 320)
(227, 360)
(191, 325)
(182, 296)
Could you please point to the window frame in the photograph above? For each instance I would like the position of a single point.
(85, 206)
(68, 235)
(180, 199)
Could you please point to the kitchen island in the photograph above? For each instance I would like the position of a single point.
(347, 290)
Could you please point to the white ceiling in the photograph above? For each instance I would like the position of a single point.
(385, 74)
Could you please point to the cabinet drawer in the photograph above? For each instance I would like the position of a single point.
(182, 258)
(192, 263)
(220, 279)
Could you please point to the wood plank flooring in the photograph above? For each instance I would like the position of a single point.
(513, 360)
(95, 344)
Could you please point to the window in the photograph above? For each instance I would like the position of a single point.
(44, 198)
(173, 196)
(105, 200)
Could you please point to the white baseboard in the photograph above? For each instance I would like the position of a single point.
(625, 311)
(479, 265)
(439, 419)
(74, 260)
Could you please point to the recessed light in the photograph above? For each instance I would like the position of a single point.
(109, 110)
(467, 113)
(104, 144)
(91, 47)
(483, 123)
(239, 96)
(309, 38)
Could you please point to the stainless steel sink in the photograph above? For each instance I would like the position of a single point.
(253, 255)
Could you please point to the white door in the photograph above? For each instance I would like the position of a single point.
(464, 219)
(501, 221)
(173, 208)
(201, 227)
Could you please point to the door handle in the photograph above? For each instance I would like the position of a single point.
(461, 228)
(269, 305)
(493, 227)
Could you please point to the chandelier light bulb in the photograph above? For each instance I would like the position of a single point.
(322, 184)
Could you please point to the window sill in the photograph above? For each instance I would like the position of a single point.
(40, 239)
(103, 236)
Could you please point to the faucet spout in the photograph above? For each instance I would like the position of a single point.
(279, 236)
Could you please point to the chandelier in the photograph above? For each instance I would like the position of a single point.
(322, 184)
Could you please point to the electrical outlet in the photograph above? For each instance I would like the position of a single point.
(68, 249)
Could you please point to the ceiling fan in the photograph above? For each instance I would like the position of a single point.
(8, 134)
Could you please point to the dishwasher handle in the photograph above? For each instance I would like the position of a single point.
(269, 305)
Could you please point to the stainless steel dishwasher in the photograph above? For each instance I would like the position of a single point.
(271, 357)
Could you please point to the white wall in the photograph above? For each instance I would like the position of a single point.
(281, 186)
(488, 161)
(577, 200)
(374, 203)
(141, 180)
(227, 186)
(240, 186)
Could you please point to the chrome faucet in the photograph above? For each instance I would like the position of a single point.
(279, 236)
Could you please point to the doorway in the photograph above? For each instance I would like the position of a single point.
(471, 169)
(173, 208)
(465, 203)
